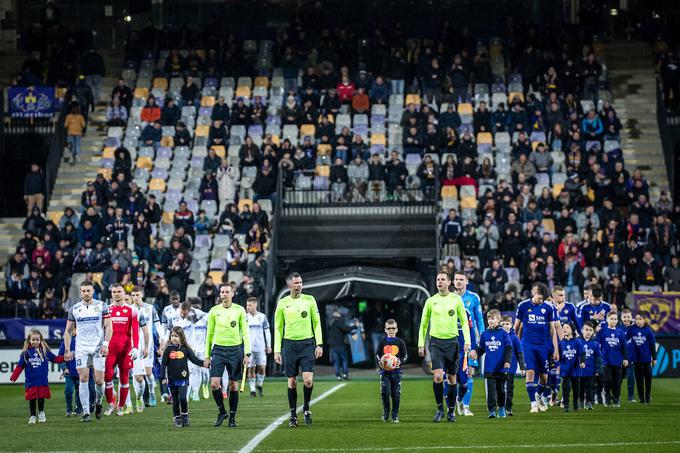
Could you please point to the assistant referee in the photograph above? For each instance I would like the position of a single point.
(297, 343)
(228, 346)
(441, 314)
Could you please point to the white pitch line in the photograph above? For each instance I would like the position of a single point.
(481, 447)
(255, 441)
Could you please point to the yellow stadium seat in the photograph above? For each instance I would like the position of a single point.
(167, 217)
(207, 101)
(465, 108)
(220, 150)
(450, 192)
(105, 172)
(216, 276)
(378, 139)
(307, 129)
(549, 225)
(141, 92)
(324, 149)
(144, 162)
(484, 138)
(276, 140)
(412, 99)
(245, 202)
(534, 145)
(157, 184)
(468, 203)
(557, 189)
(97, 277)
(160, 83)
(262, 82)
(514, 94)
(323, 170)
(55, 217)
(243, 92)
(109, 152)
(168, 141)
(202, 130)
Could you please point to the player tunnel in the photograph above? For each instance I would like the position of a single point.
(373, 295)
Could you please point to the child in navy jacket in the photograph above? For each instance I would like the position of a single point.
(517, 359)
(572, 359)
(33, 359)
(643, 348)
(390, 381)
(614, 356)
(591, 365)
(496, 346)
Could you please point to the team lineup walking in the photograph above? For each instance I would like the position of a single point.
(562, 353)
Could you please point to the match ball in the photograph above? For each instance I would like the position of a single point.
(389, 362)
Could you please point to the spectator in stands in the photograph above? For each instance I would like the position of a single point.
(159, 258)
(240, 113)
(342, 151)
(94, 69)
(358, 174)
(34, 186)
(207, 292)
(152, 211)
(74, 123)
(69, 216)
(648, 275)
(512, 237)
(35, 222)
(291, 113)
(330, 104)
(451, 228)
(590, 76)
(264, 185)
(236, 257)
(170, 113)
(379, 93)
(183, 217)
(395, 174)
(122, 162)
(524, 167)
(220, 111)
(175, 64)
(541, 159)
(212, 161)
(572, 278)
(81, 94)
(189, 93)
(615, 292)
(218, 135)
(116, 114)
(152, 134)
(487, 236)
(123, 93)
(360, 101)
(249, 154)
(17, 265)
(18, 293)
(339, 180)
(227, 177)
(592, 127)
(482, 119)
(427, 173)
(203, 225)
(150, 112)
(345, 90)
(208, 187)
(141, 232)
(412, 141)
(496, 277)
(671, 275)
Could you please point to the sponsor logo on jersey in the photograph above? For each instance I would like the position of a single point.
(451, 312)
(303, 314)
(233, 324)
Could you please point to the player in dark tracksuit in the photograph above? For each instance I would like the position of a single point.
(496, 346)
(390, 381)
(517, 359)
(614, 356)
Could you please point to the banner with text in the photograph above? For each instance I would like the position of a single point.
(16, 329)
(32, 102)
(667, 357)
(663, 309)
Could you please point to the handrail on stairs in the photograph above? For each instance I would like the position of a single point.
(55, 153)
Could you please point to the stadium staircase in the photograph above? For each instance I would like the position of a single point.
(72, 179)
(633, 85)
(11, 232)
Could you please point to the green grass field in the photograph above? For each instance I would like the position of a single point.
(349, 420)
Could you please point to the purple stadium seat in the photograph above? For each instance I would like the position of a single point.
(205, 111)
(210, 82)
(173, 195)
(361, 129)
(255, 130)
(203, 241)
(412, 159)
(106, 163)
(377, 119)
(112, 142)
(498, 88)
(377, 149)
(164, 151)
(160, 173)
(192, 205)
(273, 120)
(218, 264)
(537, 136)
(196, 162)
(515, 78)
(321, 183)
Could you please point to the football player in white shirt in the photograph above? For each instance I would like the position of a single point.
(152, 321)
(145, 341)
(91, 318)
(260, 345)
(169, 313)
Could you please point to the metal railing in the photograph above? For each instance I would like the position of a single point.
(55, 154)
(664, 122)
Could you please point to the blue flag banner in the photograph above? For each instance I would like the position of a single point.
(357, 347)
(32, 102)
(16, 329)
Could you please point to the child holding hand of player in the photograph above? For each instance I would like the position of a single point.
(175, 373)
(34, 357)
(517, 359)
(626, 325)
(592, 364)
(390, 377)
(572, 359)
(496, 346)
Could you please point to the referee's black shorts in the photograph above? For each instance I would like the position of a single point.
(445, 355)
(298, 355)
(229, 358)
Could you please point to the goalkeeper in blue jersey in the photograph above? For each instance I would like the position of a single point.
(473, 305)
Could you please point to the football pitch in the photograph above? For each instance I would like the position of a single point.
(348, 419)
